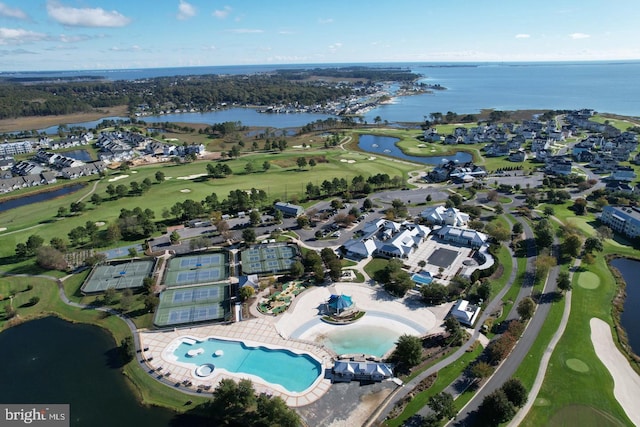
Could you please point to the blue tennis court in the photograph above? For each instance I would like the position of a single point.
(193, 304)
(268, 258)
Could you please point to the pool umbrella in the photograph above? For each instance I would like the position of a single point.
(340, 302)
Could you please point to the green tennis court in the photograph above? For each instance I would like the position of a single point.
(268, 258)
(117, 276)
(194, 269)
(193, 304)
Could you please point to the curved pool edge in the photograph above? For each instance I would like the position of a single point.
(166, 342)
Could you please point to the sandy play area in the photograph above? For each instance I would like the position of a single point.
(407, 315)
(626, 386)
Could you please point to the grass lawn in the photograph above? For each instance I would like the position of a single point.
(283, 177)
(565, 388)
(375, 265)
(445, 377)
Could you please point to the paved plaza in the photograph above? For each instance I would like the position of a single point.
(437, 255)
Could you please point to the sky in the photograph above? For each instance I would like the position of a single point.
(120, 34)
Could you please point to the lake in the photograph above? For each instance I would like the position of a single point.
(630, 317)
(53, 361)
(38, 197)
(386, 145)
(82, 155)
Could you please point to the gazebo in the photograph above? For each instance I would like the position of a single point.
(338, 304)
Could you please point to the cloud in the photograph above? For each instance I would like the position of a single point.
(85, 17)
(523, 36)
(12, 12)
(65, 38)
(579, 36)
(19, 36)
(134, 48)
(185, 10)
(222, 13)
(324, 21)
(245, 31)
(209, 48)
(335, 46)
(17, 52)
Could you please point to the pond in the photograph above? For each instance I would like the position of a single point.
(630, 317)
(386, 145)
(53, 361)
(82, 155)
(38, 197)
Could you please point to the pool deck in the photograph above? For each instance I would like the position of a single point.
(258, 331)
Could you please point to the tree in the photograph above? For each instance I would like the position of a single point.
(62, 211)
(249, 235)
(481, 370)
(434, 293)
(126, 300)
(484, 290)
(133, 252)
(50, 258)
(498, 209)
(455, 331)
(160, 177)
(34, 300)
(273, 411)
(312, 162)
(548, 211)
(395, 280)
(96, 199)
(127, 348)
(496, 408)
(109, 296)
(58, 243)
(151, 302)
(443, 406)
(301, 162)
(515, 392)
(517, 229)
(231, 400)
(579, 206)
(593, 244)
(563, 282)
(121, 190)
(255, 218)
(571, 246)
(604, 232)
(246, 292)
(33, 243)
(367, 204)
(174, 237)
(543, 265)
(408, 350)
(266, 165)
(297, 269)
(249, 167)
(9, 311)
(526, 307)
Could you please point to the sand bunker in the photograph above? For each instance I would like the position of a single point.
(185, 190)
(626, 382)
(198, 175)
(347, 161)
(117, 178)
(3, 228)
(372, 158)
(100, 223)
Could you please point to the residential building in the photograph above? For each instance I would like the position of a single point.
(465, 313)
(622, 219)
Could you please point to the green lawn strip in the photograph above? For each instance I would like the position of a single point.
(564, 387)
(276, 182)
(445, 377)
(375, 265)
(417, 371)
(528, 369)
(506, 261)
(513, 291)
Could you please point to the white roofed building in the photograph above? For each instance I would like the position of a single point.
(441, 215)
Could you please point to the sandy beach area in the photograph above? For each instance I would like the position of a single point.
(626, 381)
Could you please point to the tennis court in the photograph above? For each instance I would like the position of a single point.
(117, 276)
(193, 304)
(194, 269)
(442, 257)
(266, 258)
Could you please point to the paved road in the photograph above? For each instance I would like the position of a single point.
(467, 416)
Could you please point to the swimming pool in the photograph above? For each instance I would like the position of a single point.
(422, 279)
(294, 372)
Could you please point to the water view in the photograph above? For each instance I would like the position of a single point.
(39, 197)
(295, 372)
(82, 155)
(372, 340)
(386, 145)
(54, 361)
(630, 317)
